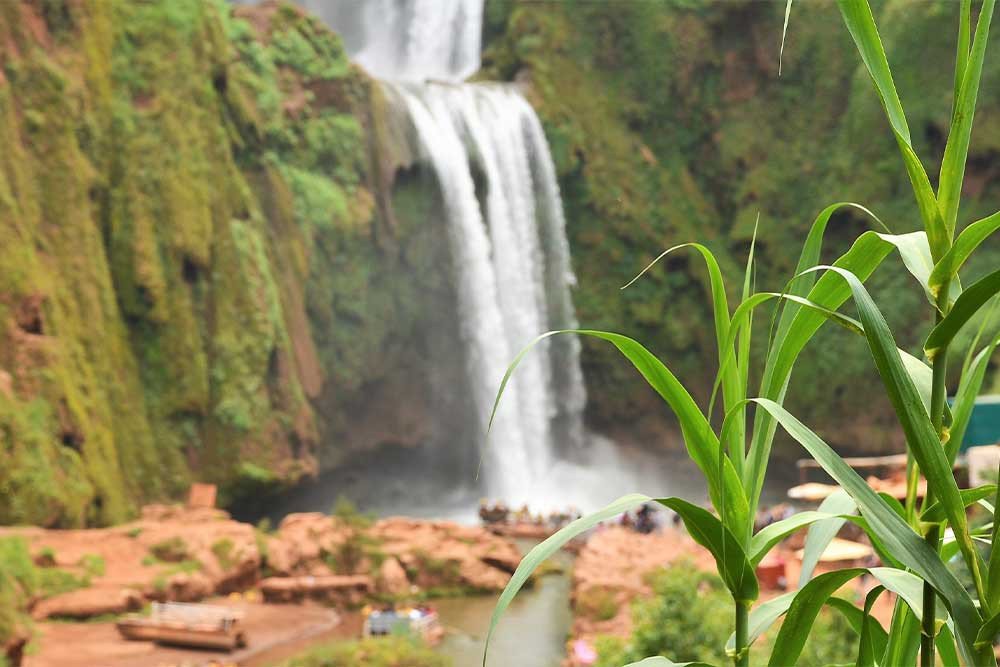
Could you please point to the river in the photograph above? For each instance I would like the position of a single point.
(532, 632)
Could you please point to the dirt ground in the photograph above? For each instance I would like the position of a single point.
(274, 632)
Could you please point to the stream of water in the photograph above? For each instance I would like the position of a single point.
(533, 630)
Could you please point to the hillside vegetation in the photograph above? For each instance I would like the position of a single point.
(214, 267)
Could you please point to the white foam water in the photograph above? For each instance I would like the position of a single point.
(506, 228)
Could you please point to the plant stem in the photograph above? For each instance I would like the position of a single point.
(927, 629)
(742, 656)
(939, 374)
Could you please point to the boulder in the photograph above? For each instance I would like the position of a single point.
(392, 579)
(350, 589)
(88, 602)
(188, 587)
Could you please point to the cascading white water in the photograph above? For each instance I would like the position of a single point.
(513, 272)
(408, 40)
(508, 243)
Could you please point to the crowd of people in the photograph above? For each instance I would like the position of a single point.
(497, 512)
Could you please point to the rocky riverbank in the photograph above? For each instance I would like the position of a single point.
(178, 554)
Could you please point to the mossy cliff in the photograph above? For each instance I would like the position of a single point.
(193, 259)
(215, 267)
(669, 123)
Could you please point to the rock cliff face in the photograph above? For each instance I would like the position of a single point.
(217, 264)
(194, 262)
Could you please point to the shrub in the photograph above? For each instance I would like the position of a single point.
(172, 550)
(687, 617)
(223, 550)
(53, 581)
(93, 565)
(382, 652)
(345, 511)
(18, 582)
(597, 603)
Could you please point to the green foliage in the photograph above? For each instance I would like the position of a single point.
(53, 581)
(345, 511)
(187, 566)
(93, 564)
(668, 123)
(170, 550)
(348, 556)
(734, 466)
(381, 652)
(688, 618)
(145, 199)
(223, 550)
(18, 582)
(597, 604)
(21, 582)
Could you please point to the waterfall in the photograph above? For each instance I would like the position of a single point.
(506, 228)
(408, 40)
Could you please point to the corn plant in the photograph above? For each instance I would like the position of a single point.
(934, 616)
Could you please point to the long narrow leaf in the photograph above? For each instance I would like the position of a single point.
(770, 535)
(702, 444)
(962, 50)
(821, 533)
(904, 637)
(784, 33)
(864, 256)
(945, 643)
(703, 527)
(967, 305)
(728, 373)
(867, 647)
(992, 602)
(956, 151)
(966, 243)
(802, 612)
(921, 437)
(856, 618)
(551, 545)
(897, 537)
(860, 23)
(965, 398)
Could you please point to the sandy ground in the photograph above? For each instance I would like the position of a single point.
(274, 632)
